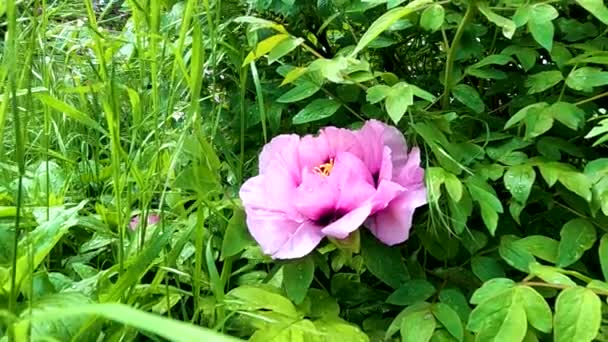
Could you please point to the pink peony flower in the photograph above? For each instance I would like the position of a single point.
(152, 219)
(329, 185)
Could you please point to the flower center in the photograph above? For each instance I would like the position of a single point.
(324, 169)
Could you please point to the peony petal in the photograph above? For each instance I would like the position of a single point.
(395, 140)
(392, 225)
(386, 192)
(315, 196)
(284, 145)
(341, 140)
(348, 223)
(313, 151)
(411, 175)
(386, 167)
(253, 194)
(273, 192)
(371, 139)
(270, 230)
(301, 242)
(352, 180)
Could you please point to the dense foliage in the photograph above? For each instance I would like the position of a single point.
(116, 111)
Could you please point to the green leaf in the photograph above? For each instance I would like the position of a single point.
(603, 252)
(453, 185)
(42, 240)
(457, 301)
(489, 203)
(542, 32)
(251, 298)
(526, 56)
(519, 180)
(578, 315)
(597, 8)
(502, 318)
(398, 100)
(577, 236)
(237, 237)
(514, 254)
(551, 275)
(449, 318)
(411, 292)
(385, 21)
(525, 112)
(299, 92)
(508, 26)
(577, 182)
(297, 277)
(401, 317)
(540, 246)
(568, 114)
(486, 268)
(316, 110)
(334, 329)
(586, 78)
(418, 326)
(493, 60)
(70, 111)
(543, 80)
(537, 310)
(492, 288)
(468, 96)
(161, 326)
(283, 48)
(264, 47)
(432, 17)
(377, 93)
(384, 262)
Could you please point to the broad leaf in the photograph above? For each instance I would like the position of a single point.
(385, 21)
(432, 18)
(577, 236)
(297, 277)
(316, 110)
(543, 80)
(519, 180)
(469, 97)
(578, 314)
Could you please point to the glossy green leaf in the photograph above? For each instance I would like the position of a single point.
(597, 8)
(385, 21)
(568, 114)
(384, 262)
(550, 275)
(299, 92)
(418, 326)
(265, 47)
(297, 277)
(411, 292)
(578, 314)
(468, 96)
(283, 48)
(502, 318)
(448, 317)
(398, 100)
(587, 78)
(537, 310)
(543, 80)
(577, 236)
(514, 254)
(432, 17)
(486, 268)
(519, 180)
(508, 26)
(316, 110)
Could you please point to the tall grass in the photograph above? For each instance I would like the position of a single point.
(117, 97)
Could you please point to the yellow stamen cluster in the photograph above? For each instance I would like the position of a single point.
(324, 169)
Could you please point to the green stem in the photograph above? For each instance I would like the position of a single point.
(599, 96)
(449, 63)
